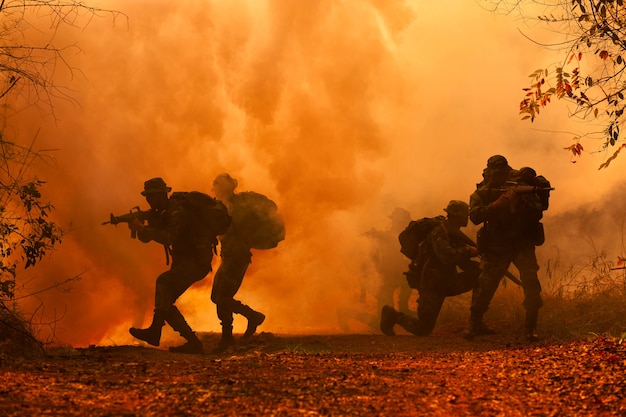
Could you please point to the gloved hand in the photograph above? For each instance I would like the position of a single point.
(508, 199)
(135, 225)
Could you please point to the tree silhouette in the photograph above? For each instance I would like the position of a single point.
(27, 68)
(591, 47)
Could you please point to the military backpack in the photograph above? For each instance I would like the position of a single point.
(415, 233)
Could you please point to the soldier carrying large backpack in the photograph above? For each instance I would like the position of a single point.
(186, 224)
(256, 225)
(436, 247)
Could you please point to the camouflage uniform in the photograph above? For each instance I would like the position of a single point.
(509, 234)
(390, 262)
(445, 249)
(191, 255)
(236, 257)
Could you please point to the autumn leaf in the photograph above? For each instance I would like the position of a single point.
(612, 157)
(576, 149)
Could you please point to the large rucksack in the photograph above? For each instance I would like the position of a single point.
(209, 216)
(256, 217)
(415, 233)
(528, 176)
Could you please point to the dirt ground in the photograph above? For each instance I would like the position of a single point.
(329, 375)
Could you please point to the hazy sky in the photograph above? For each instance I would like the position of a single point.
(338, 110)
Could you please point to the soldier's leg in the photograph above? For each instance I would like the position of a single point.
(404, 295)
(226, 283)
(494, 267)
(236, 272)
(170, 286)
(162, 303)
(220, 295)
(526, 263)
(428, 308)
(255, 318)
(388, 319)
(177, 321)
(464, 281)
(151, 334)
(429, 305)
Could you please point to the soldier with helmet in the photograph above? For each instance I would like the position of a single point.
(510, 231)
(445, 249)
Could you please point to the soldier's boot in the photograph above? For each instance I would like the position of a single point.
(413, 325)
(477, 327)
(227, 339)
(179, 324)
(531, 325)
(388, 319)
(152, 334)
(255, 318)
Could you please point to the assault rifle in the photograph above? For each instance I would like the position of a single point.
(522, 188)
(135, 213)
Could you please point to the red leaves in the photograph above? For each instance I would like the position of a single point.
(579, 57)
(403, 376)
(576, 149)
(329, 375)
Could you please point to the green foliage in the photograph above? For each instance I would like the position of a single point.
(27, 68)
(26, 231)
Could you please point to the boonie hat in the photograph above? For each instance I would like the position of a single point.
(155, 185)
(457, 208)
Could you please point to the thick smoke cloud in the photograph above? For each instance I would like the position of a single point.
(338, 110)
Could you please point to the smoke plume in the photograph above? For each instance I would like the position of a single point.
(339, 111)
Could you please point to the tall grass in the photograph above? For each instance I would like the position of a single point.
(579, 301)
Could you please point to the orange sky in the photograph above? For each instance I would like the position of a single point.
(338, 110)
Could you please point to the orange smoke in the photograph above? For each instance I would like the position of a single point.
(338, 110)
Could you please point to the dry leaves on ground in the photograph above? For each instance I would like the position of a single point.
(325, 375)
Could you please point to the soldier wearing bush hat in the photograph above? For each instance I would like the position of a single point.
(457, 208)
(168, 223)
(155, 185)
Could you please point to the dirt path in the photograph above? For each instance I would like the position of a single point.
(442, 375)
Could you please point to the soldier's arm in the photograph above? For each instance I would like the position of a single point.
(445, 252)
(479, 209)
(153, 230)
(485, 204)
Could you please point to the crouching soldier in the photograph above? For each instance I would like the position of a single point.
(434, 272)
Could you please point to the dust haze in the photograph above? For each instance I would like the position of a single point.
(340, 111)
